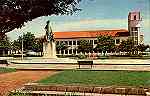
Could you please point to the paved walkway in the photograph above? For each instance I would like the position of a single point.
(72, 61)
(75, 66)
(122, 61)
(100, 64)
(11, 81)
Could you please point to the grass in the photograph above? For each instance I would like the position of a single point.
(106, 78)
(6, 70)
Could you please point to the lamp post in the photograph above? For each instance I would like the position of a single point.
(22, 47)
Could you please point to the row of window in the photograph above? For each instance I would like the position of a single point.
(134, 28)
(77, 43)
(68, 51)
(74, 42)
(134, 33)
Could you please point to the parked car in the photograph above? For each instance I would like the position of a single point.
(31, 53)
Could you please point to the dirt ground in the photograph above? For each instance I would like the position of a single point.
(11, 81)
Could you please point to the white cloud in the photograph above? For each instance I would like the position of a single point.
(91, 24)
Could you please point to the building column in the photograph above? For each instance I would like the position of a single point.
(76, 47)
(72, 47)
(93, 43)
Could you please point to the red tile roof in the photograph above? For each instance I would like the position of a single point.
(90, 34)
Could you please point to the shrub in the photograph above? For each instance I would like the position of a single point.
(81, 56)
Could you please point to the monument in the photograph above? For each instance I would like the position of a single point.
(49, 47)
(49, 50)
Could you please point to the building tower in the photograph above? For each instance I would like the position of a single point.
(134, 20)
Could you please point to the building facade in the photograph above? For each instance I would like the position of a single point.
(71, 39)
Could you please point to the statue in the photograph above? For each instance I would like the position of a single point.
(49, 33)
(49, 47)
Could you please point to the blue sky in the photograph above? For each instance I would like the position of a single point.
(95, 14)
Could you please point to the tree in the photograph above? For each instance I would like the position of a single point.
(16, 45)
(85, 46)
(14, 13)
(37, 46)
(105, 43)
(142, 47)
(129, 47)
(4, 44)
(28, 42)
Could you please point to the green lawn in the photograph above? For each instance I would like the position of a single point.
(106, 78)
(5, 70)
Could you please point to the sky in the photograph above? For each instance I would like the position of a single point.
(95, 15)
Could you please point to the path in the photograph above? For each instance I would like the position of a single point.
(11, 81)
(133, 67)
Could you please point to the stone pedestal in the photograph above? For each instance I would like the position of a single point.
(49, 49)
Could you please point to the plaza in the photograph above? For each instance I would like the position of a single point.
(74, 48)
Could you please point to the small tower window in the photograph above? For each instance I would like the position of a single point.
(134, 17)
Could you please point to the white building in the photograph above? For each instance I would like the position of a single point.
(71, 38)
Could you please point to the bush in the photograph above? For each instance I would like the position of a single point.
(81, 56)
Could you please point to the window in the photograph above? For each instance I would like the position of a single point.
(66, 42)
(70, 42)
(66, 51)
(91, 41)
(78, 51)
(136, 38)
(134, 17)
(78, 42)
(135, 33)
(62, 52)
(74, 42)
(74, 51)
(70, 51)
(95, 41)
(117, 41)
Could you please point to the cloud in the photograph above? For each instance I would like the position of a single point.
(91, 24)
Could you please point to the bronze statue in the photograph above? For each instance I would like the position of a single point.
(49, 33)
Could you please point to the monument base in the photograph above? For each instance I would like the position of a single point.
(49, 49)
